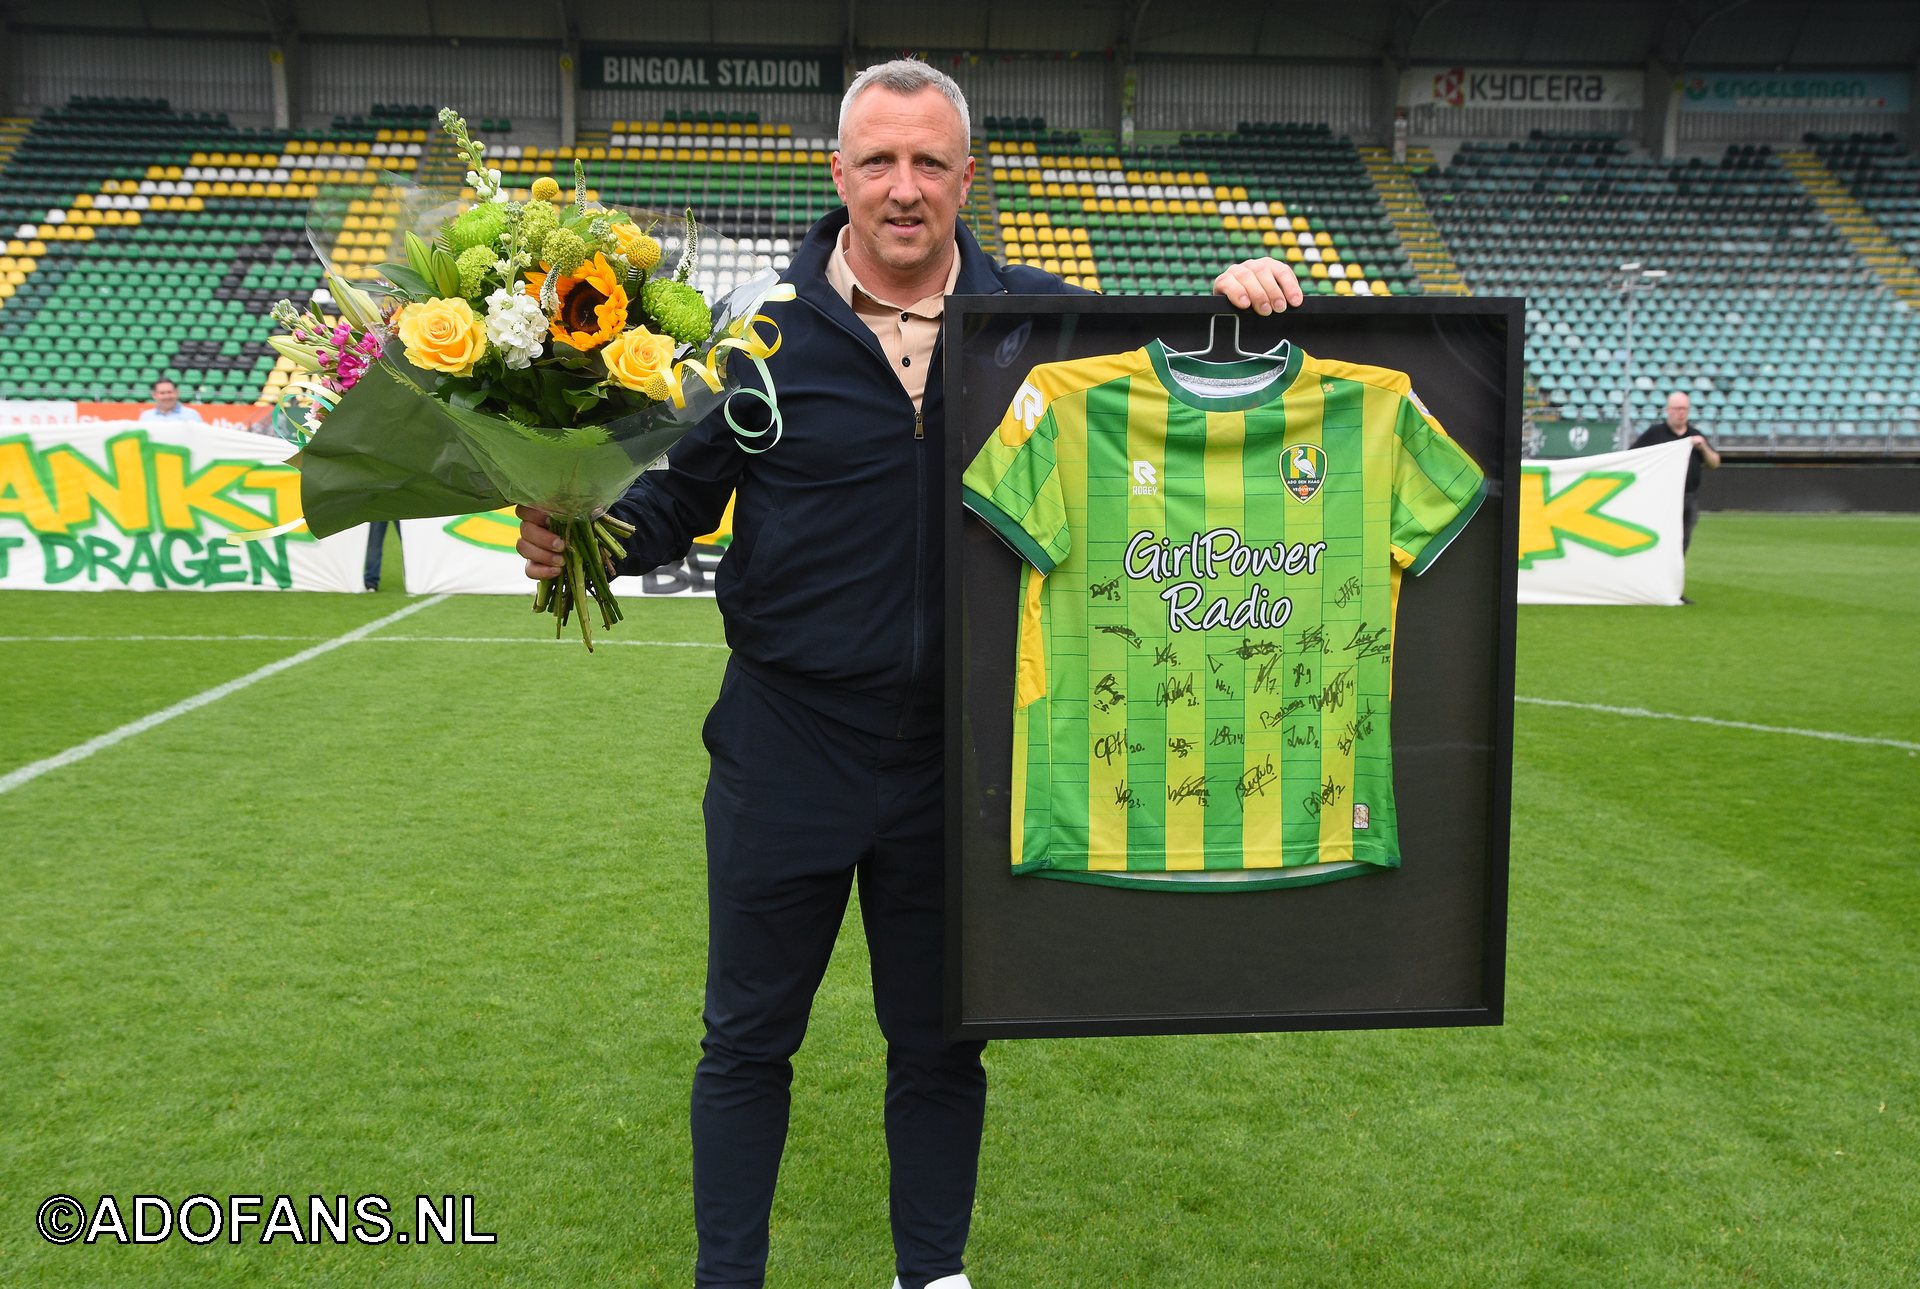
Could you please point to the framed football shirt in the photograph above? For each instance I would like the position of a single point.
(1213, 556)
(1217, 636)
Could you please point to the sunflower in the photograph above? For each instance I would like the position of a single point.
(593, 304)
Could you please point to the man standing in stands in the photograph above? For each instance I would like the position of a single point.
(168, 407)
(826, 737)
(1671, 430)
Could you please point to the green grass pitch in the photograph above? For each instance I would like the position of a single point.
(397, 920)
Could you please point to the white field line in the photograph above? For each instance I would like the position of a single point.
(361, 636)
(1643, 713)
(28, 773)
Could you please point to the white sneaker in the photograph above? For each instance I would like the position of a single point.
(944, 1282)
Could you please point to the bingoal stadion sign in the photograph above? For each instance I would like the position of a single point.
(639, 67)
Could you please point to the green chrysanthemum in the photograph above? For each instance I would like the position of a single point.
(479, 226)
(563, 251)
(538, 219)
(677, 309)
(475, 263)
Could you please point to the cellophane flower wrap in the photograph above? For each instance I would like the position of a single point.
(533, 348)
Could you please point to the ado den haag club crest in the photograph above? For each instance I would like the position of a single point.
(1303, 466)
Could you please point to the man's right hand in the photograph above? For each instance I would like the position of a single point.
(538, 545)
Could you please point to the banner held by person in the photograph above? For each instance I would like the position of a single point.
(1603, 529)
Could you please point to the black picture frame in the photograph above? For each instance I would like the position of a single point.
(1422, 945)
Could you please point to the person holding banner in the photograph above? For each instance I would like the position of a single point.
(1671, 430)
(167, 405)
(826, 738)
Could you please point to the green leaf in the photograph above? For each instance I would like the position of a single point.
(468, 399)
(583, 400)
(410, 283)
(446, 273)
(554, 408)
(419, 257)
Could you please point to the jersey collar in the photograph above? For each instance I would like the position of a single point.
(1165, 365)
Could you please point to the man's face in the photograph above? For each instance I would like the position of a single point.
(1678, 405)
(165, 396)
(903, 171)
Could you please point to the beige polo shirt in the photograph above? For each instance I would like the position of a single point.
(906, 332)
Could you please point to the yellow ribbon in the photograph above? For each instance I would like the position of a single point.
(757, 350)
(707, 372)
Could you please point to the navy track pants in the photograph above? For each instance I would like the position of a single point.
(798, 809)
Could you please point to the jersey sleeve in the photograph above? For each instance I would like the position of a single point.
(1436, 488)
(1014, 486)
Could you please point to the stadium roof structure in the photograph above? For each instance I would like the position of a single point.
(1774, 34)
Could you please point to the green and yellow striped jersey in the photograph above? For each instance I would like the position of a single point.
(1213, 556)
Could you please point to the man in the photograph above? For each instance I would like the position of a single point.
(826, 736)
(168, 407)
(1672, 430)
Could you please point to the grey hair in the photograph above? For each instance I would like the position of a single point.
(908, 76)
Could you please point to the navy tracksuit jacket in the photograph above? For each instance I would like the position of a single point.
(826, 761)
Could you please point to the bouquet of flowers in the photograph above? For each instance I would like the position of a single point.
(531, 350)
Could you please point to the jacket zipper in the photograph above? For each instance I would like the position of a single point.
(919, 568)
(919, 536)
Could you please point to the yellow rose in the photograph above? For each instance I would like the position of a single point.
(642, 251)
(443, 335)
(638, 359)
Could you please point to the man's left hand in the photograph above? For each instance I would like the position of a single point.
(1263, 284)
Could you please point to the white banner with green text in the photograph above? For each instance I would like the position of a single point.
(1604, 529)
(142, 506)
(474, 555)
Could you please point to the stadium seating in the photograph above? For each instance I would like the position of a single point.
(144, 243)
(137, 242)
(1780, 333)
(1163, 216)
(1883, 177)
(757, 186)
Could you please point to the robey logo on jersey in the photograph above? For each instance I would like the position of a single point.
(1028, 406)
(1146, 480)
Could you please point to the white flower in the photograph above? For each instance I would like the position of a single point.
(486, 181)
(516, 327)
